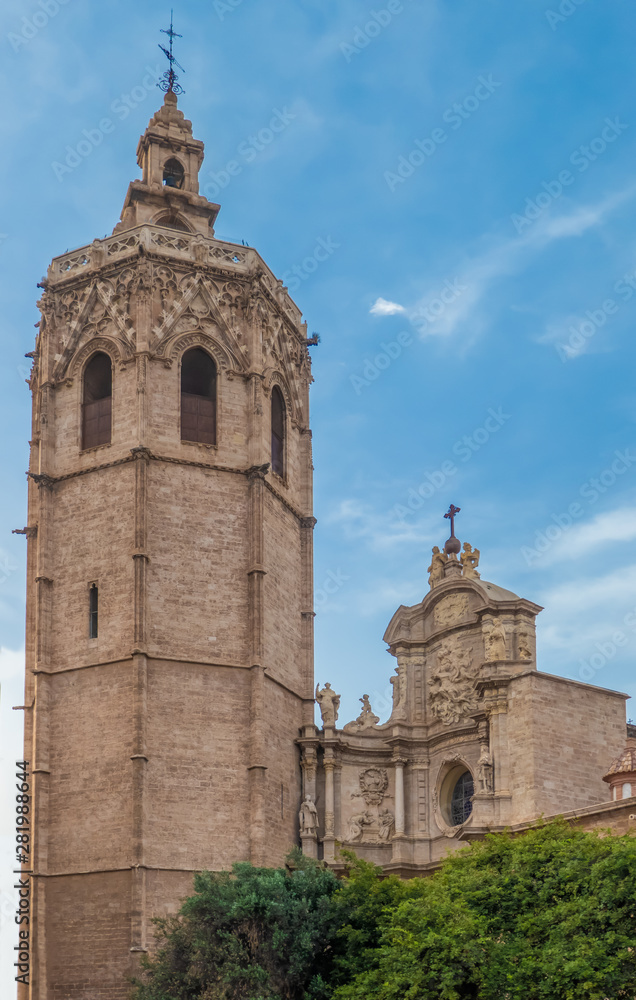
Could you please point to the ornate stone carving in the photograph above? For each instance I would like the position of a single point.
(495, 640)
(470, 561)
(451, 686)
(356, 826)
(436, 569)
(308, 817)
(450, 610)
(524, 643)
(373, 785)
(386, 821)
(328, 703)
(366, 719)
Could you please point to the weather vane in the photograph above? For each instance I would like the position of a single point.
(168, 82)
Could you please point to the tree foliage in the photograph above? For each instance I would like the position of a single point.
(249, 934)
(550, 915)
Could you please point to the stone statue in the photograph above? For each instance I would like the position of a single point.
(496, 641)
(523, 645)
(436, 569)
(470, 561)
(308, 817)
(366, 717)
(329, 703)
(387, 821)
(486, 771)
(356, 824)
(398, 682)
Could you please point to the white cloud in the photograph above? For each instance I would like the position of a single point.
(505, 256)
(381, 530)
(613, 526)
(382, 307)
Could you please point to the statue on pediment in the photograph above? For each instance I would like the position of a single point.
(470, 561)
(329, 703)
(436, 569)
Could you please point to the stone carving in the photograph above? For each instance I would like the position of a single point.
(366, 717)
(356, 826)
(373, 785)
(495, 640)
(329, 703)
(308, 817)
(436, 569)
(451, 609)
(398, 683)
(452, 690)
(470, 561)
(386, 821)
(524, 644)
(485, 770)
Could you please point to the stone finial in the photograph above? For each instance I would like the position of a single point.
(328, 703)
(366, 719)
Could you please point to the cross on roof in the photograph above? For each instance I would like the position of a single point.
(452, 511)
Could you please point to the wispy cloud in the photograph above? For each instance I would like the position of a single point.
(360, 521)
(505, 256)
(382, 307)
(611, 526)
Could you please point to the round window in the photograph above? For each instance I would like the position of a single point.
(460, 802)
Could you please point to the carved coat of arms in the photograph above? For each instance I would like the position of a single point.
(373, 784)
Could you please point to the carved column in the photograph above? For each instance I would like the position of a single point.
(329, 839)
(399, 798)
(495, 696)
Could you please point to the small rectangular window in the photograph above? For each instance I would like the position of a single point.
(93, 611)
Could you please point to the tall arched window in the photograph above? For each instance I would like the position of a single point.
(278, 432)
(97, 401)
(198, 397)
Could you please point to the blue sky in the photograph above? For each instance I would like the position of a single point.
(471, 169)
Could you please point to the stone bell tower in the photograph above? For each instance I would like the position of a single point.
(169, 622)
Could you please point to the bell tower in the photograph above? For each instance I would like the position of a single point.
(169, 607)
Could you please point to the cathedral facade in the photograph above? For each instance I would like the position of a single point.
(169, 710)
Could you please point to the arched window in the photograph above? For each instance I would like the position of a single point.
(198, 397)
(97, 401)
(173, 174)
(278, 432)
(172, 221)
(461, 805)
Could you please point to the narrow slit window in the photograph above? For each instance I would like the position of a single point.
(198, 397)
(97, 401)
(278, 432)
(93, 611)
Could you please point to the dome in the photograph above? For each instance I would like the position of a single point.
(496, 593)
(626, 763)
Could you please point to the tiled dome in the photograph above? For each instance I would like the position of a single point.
(626, 763)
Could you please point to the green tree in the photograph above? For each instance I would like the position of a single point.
(550, 915)
(249, 934)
